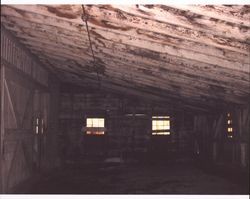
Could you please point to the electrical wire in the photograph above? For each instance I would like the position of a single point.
(85, 19)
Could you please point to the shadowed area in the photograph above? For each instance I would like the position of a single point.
(134, 179)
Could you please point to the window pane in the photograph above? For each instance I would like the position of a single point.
(95, 122)
(89, 122)
(161, 124)
(101, 123)
(166, 123)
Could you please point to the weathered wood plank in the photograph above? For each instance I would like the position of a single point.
(235, 14)
(183, 18)
(72, 53)
(16, 75)
(2, 128)
(11, 105)
(21, 59)
(180, 32)
(145, 66)
(157, 47)
(137, 74)
(37, 31)
(148, 81)
(18, 134)
(27, 109)
(113, 15)
(166, 96)
(215, 69)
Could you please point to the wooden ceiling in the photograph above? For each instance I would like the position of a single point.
(194, 56)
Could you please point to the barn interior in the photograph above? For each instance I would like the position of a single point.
(125, 99)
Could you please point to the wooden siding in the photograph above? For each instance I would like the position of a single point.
(215, 145)
(25, 95)
(128, 135)
(12, 53)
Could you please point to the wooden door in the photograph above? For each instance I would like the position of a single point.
(40, 121)
(1, 127)
(21, 147)
(16, 136)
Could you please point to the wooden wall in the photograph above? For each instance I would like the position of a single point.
(214, 144)
(127, 135)
(201, 136)
(27, 94)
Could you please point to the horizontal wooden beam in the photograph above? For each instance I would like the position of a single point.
(171, 14)
(46, 47)
(37, 30)
(111, 49)
(135, 40)
(124, 68)
(171, 84)
(190, 57)
(109, 15)
(146, 89)
(234, 13)
(195, 89)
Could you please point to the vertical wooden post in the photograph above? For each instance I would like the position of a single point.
(2, 177)
(243, 149)
(214, 151)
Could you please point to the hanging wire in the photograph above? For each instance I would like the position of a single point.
(85, 18)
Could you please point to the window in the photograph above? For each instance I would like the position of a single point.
(95, 126)
(42, 126)
(160, 125)
(229, 126)
(37, 125)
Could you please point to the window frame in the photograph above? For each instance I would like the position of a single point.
(95, 130)
(229, 126)
(166, 128)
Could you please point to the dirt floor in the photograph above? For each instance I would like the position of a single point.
(133, 179)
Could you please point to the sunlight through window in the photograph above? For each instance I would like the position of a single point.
(95, 126)
(95, 122)
(160, 125)
(229, 126)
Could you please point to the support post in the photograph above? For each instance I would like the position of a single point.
(214, 151)
(2, 177)
(243, 148)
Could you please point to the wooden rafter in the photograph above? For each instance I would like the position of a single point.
(196, 55)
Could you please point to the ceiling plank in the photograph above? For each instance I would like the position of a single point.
(235, 14)
(63, 56)
(175, 45)
(173, 55)
(41, 13)
(155, 73)
(78, 48)
(184, 18)
(168, 86)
